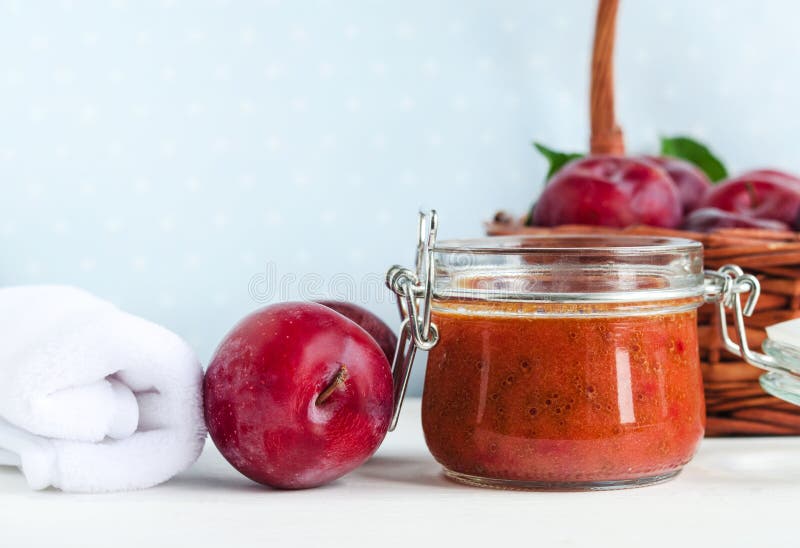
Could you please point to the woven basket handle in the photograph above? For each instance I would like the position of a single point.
(606, 135)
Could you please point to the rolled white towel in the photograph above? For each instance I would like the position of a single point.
(93, 398)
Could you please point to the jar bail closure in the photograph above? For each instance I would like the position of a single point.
(414, 291)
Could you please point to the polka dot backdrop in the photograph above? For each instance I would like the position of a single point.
(195, 160)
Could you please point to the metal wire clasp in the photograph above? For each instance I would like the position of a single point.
(414, 291)
(724, 288)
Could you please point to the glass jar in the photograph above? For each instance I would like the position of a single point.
(564, 361)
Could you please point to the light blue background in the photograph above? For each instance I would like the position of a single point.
(161, 154)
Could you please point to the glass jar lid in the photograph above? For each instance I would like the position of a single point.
(568, 268)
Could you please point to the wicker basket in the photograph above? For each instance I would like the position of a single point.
(735, 402)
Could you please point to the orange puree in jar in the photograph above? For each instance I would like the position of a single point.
(563, 393)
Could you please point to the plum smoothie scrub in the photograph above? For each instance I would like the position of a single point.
(565, 361)
(562, 399)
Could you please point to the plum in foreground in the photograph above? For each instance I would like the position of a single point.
(297, 395)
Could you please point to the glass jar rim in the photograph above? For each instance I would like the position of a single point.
(632, 244)
(568, 268)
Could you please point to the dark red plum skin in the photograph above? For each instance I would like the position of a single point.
(706, 219)
(691, 182)
(261, 388)
(615, 191)
(761, 194)
(371, 323)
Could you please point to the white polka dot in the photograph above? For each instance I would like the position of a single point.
(298, 34)
(433, 139)
(114, 149)
(63, 76)
(273, 71)
(355, 180)
(139, 263)
(221, 145)
(7, 154)
(459, 103)
(191, 262)
(192, 184)
(113, 225)
(222, 73)
(87, 264)
(8, 228)
(300, 180)
(326, 70)
(537, 61)
(302, 256)
(141, 111)
(328, 217)
(168, 74)
(273, 143)
(142, 38)
(353, 104)
(430, 68)
(195, 108)
(642, 56)
(379, 68)
(60, 227)
(328, 141)
(379, 141)
(351, 31)
(39, 42)
(38, 113)
(220, 220)
(141, 185)
(273, 218)
(166, 224)
(404, 31)
(194, 36)
(356, 255)
(299, 104)
(116, 75)
(168, 148)
(62, 151)
(247, 107)
(407, 104)
(511, 101)
(248, 258)
(167, 301)
(14, 77)
(89, 114)
(90, 39)
(408, 178)
(86, 188)
(247, 36)
(33, 268)
(455, 27)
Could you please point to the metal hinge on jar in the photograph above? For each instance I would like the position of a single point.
(414, 290)
(724, 288)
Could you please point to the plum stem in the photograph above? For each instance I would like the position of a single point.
(337, 381)
(751, 191)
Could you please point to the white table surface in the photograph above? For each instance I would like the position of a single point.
(736, 492)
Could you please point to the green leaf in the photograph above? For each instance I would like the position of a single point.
(695, 153)
(556, 159)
